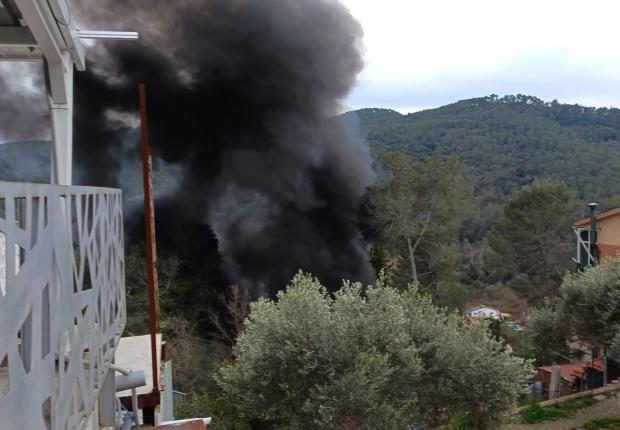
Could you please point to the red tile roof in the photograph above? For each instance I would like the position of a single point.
(572, 371)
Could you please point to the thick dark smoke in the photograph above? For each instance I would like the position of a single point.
(22, 102)
(242, 94)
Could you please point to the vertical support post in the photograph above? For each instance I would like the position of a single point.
(605, 368)
(61, 109)
(555, 383)
(107, 401)
(149, 221)
(593, 236)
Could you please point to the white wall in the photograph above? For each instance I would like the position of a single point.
(485, 313)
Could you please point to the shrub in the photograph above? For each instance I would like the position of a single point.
(603, 423)
(367, 358)
(225, 414)
(536, 413)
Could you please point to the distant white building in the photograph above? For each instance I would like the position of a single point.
(482, 311)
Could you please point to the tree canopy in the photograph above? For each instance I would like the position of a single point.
(417, 209)
(367, 358)
(534, 239)
(508, 142)
(588, 307)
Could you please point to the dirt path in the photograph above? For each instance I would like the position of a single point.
(604, 408)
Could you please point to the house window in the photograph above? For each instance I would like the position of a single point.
(578, 356)
(582, 247)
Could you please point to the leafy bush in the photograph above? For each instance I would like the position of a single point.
(536, 413)
(603, 423)
(367, 358)
(588, 307)
(224, 413)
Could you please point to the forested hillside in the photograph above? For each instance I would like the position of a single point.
(507, 142)
(29, 161)
(473, 204)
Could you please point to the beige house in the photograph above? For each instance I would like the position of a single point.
(608, 236)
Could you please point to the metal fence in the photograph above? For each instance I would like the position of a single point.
(62, 301)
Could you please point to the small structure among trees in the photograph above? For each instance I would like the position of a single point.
(483, 311)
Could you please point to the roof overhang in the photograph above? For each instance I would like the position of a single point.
(36, 29)
(33, 29)
(586, 221)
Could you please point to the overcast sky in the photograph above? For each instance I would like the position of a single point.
(427, 53)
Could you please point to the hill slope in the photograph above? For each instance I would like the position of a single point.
(508, 142)
(29, 161)
(505, 143)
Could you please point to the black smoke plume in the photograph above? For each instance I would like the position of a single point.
(243, 95)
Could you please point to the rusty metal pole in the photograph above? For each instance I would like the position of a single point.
(149, 221)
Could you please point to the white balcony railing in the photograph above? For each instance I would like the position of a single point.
(62, 301)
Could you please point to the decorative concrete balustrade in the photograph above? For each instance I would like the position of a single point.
(62, 301)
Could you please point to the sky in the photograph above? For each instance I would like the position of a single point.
(425, 54)
(422, 54)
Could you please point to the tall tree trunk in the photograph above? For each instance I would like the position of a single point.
(413, 247)
(414, 271)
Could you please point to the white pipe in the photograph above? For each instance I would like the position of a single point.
(134, 393)
(110, 35)
(206, 421)
(134, 379)
(137, 380)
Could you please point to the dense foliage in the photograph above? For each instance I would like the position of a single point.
(588, 307)
(533, 240)
(191, 288)
(367, 358)
(609, 423)
(416, 211)
(535, 413)
(506, 143)
(386, 356)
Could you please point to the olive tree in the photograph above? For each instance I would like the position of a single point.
(588, 307)
(547, 332)
(367, 358)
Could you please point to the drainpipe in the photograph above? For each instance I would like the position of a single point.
(593, 234)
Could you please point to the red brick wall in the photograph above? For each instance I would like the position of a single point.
(607, 251)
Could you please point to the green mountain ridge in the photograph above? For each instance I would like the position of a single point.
(504, 142)
(29, 161)
(508, 142)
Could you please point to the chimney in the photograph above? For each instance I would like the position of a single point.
(593, 234)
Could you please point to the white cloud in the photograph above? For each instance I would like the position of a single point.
(498, 46)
